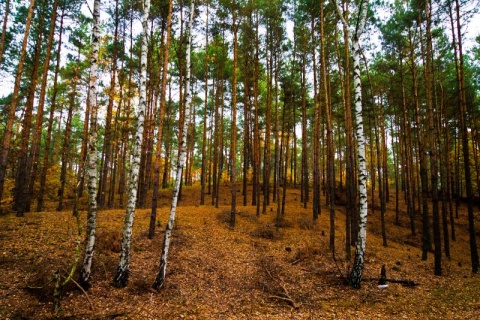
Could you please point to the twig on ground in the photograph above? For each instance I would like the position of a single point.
(338, 268)
(404, 282)
(84, 292)
(287, 295)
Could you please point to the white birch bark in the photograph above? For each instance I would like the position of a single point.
(120, 278)
(356, 273)
(92, 178)
(160, 279)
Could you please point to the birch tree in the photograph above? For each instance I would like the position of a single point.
(356, 273)
(86, 270)
(160, 279)
(120, 278)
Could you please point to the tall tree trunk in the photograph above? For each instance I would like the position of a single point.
(86, 270)
(127, 129)
(256, 129)
(305, 175)
(395, 154)
(166, 161)
(408, 156)
(181, 98)
(66, 141)
(356, 273)
(466, 154)
(380, 152)
(205, 109)
(432, 140)
(37, 133)
(13, 105)
(266, 149)
(233, 142)
(161, 116)
(276, 174)
(4, 29)
(351, 208)
(443, 148)
(160, 279)
(330, 148)
(316, 122)
(423, 196)
(107, 144)
(345, 88)
(120, 278)
(22, 174)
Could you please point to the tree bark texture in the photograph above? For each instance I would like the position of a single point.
(86, 270)
(356, 273)
(160, 279)
(13, 105)
(120, 278)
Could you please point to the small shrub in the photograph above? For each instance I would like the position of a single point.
(108, 241)
(307, 223)
(305, 253)
(283, 223)
(224, 216)
(267, 231)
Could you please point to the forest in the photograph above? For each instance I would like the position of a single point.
(223, 159)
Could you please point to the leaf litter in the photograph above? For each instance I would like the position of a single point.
(252, 272)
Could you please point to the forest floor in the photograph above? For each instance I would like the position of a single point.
(252, 272)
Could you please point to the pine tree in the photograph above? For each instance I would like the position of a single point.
(13, 105)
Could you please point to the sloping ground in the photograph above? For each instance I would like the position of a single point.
(252, 272)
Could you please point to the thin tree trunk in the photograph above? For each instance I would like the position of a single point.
(37, 133)
(408, 157)
(160, 279)
(380, 149)
(395, 153)
(48, 139)
(443, 162)
(233, 142)
(120, 278)
(216, 142)
(86, 270)
(66, 141)
(22, 174)
(305, 175)
(423, 196)
(432, 141)
(205, 108)
(161, 116)
(13, 105)
(107, 144)
(344, 79)
(356, 273)
(266, 149)
(350, 163)
(4, 30)
(466, 154)
(316, 123)
(330, 147)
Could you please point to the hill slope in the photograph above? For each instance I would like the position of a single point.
(252, 272)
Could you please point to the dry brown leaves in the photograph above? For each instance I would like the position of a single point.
(252, 272)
